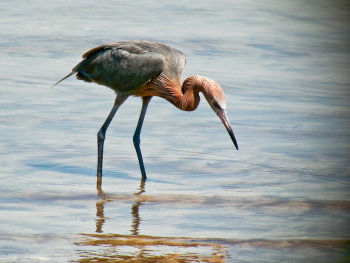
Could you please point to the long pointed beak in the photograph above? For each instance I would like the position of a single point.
(223, 117)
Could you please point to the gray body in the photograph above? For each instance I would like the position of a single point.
(124, 66)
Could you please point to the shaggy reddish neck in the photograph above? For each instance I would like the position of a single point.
(189, 99)
(185, 97)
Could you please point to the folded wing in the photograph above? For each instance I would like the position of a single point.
(119, 66)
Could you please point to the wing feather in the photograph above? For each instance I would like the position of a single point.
(121, 67)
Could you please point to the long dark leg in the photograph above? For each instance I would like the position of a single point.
(102, 134)
(136, 138)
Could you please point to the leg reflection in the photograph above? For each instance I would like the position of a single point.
(100, 204)
(135, 210)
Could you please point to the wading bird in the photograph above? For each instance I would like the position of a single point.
(146, 69)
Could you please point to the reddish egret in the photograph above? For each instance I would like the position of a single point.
(146, 69)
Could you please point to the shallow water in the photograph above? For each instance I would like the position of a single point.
(284, 196)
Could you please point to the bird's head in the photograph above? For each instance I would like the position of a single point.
(217, 101)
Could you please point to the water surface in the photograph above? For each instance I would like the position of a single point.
(284, 196)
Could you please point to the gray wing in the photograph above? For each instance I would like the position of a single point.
(120, 67)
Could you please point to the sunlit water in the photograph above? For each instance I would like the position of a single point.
(283, 197)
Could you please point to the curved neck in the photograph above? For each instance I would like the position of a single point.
(185, 97)
(190, 99)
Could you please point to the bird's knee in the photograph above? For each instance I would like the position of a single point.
(101, 135)
(136, 140)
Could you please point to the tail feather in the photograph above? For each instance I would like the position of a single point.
(70, 74)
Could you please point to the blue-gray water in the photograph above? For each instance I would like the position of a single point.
(283, 197)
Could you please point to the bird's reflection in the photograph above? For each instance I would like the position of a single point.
(100, 204)
(135, 209)
(101, 247)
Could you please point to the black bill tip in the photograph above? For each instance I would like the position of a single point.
(233, 138)
(224, 119)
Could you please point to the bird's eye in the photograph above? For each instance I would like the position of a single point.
(216, 104)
